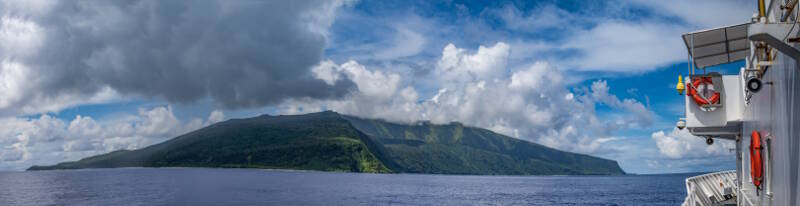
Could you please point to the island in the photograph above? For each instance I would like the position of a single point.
(329, 141)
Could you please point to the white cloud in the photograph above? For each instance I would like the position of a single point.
(478, 89)
(681, 144)
(36, 7)
(487, 63)
(596, 143)
(679, 151)
(215, 116)
(616, 36)
(406, 42)
(532, 78)
(625, 46)
(156, 121)
(600, 93)
(375, 84)
(378, 94)
(327, 71)
(22, 40)
(704, 14)
(20, 37)
(48, 140)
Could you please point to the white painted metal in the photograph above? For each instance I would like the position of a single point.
(717, 46)
(711, 189)
(774, 34)
(724, 121)
(774, 112)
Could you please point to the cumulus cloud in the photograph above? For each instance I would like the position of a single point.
(679, 151)
(239, 53)
(478, 88)
(457, 65)
(681, 144)
(378, 93)
(48, 140)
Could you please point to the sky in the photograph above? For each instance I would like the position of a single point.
(81, 78)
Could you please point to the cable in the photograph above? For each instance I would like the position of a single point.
(797, 14)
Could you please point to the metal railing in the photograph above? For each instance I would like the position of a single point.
(711, 188)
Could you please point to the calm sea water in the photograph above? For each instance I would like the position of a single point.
(186, 186)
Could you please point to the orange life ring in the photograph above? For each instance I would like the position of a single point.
(756, 169)
(699, 99)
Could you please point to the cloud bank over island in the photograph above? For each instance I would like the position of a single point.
(478, 89)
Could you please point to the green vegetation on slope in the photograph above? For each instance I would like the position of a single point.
(320, 141)
(331, 142)
(456, 149)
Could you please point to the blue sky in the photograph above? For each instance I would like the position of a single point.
(592, 77)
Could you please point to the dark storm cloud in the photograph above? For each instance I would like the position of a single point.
(240, 53)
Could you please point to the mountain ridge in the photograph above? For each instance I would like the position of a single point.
(329, 141)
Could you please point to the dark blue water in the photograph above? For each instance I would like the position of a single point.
(184, 186)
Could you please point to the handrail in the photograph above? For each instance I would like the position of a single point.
(702, 188)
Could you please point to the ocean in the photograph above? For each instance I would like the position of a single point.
(201, 186)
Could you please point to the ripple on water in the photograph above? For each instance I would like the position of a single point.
(197, 186)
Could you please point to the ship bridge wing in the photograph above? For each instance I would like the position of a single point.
(717, 46)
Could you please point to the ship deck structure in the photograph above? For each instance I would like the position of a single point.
(758, 108)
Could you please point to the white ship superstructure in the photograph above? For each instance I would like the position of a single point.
(758, 109)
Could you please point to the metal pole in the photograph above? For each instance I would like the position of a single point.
(688, 63)
(691, 41)
(768, 166)
(739, 171)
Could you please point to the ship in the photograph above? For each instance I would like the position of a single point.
(757, 109)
